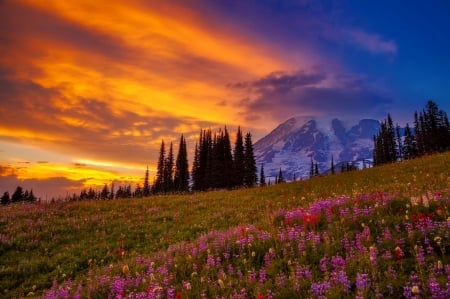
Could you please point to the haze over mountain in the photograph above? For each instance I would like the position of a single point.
(293, 144)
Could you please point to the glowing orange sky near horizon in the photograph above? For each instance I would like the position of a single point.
(131, 74)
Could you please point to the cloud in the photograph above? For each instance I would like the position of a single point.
(280, 95)
(372, 43)
(280, 81)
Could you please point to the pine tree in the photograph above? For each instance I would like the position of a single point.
(399, 142)
(239, 159)
(311, 169)
(181, 180)
(158, 186)
(250, 177)
(5, 198)
(390, 140)
(17, 195)
(262, 176)
(196, 169)
(168, 171)
(280, 178)
(316, 169)
(105, 192)
(146, 189)
(332, 165)
(111, 194)
(31, 196)
(138, 192)
(409, 146)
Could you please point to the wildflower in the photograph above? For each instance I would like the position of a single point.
(415, 290)
(260, 296)
(187, 285)
(179, 295)
(221, 284)
(125, 270)
(439, 210)
(398, 253)
(438, 240)
(439, 265)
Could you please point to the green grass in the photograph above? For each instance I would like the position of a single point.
(43, 243)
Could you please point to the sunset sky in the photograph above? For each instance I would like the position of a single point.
(89, 88)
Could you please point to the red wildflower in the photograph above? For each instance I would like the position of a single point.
(287, 222)
(179, 295)
(439, 210)
(260, 296)
(398, 253)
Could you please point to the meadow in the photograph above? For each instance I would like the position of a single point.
(376, 233)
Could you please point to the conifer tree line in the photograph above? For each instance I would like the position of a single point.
(19, 195)
(217, 166)
(431, 134)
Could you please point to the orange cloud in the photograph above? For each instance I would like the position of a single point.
(107, 80)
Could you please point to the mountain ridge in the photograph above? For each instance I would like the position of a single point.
(293, 144)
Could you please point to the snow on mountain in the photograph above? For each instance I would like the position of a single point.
(293, 144)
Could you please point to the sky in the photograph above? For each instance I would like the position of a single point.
(88, 89)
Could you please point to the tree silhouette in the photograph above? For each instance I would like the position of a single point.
(181, 180)
(18, 195)
(168, 171)
(239, 159)
(158, 186)
(250, 177)
(5, 199)
(262, 176)
(146, 188)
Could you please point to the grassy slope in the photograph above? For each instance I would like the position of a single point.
(42, 243)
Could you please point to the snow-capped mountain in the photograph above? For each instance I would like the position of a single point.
(293, 144)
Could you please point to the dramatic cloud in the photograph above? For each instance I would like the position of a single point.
(279, 94)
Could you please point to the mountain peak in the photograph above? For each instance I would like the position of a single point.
(293, 143)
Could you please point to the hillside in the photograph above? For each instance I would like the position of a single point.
(255, 241)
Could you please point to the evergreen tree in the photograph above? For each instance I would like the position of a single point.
(31, 196)
(181, 180)
(17, 195)
(385, 146)
(5, 199)
(168, 171)
(158, 186)
(390, 140)
(138, 192)
(250, 177)
(83, 194)
(419, 133)
(398, 139)
(409, 146)
(196, 169)
(128, 193)
(311, 169)
(332, 165)
(262, 176)
(105, 192)
(146, 189)
(206, 161)
(316, 169)
(280, 178)
(92, 194)
(239, 159)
